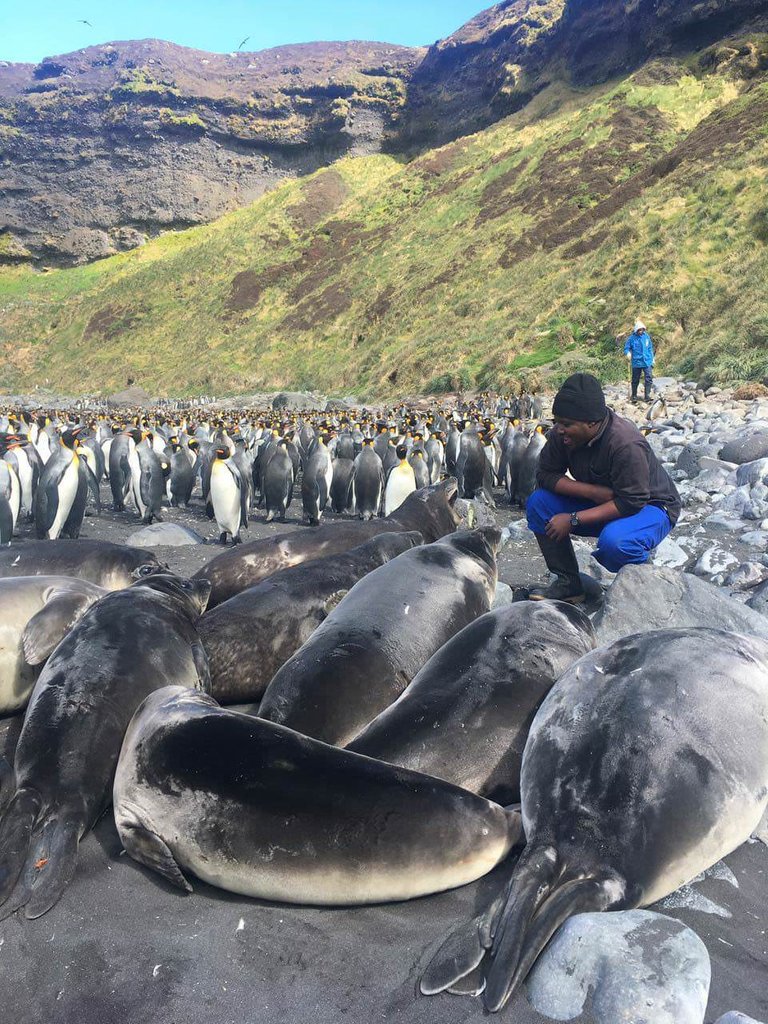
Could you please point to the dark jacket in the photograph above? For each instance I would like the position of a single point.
(619, 458)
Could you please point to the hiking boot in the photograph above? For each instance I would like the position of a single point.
(561, 560)
(563, 589)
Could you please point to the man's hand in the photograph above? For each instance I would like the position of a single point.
(629, 355)
(559, 527)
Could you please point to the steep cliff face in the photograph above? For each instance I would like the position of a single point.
(502, 58)
(101, 148)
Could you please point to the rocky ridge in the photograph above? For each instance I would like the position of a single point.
(497, 62)
(104, 147)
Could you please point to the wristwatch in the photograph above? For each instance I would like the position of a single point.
(575, 523)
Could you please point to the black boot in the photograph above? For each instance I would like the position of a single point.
(561, 560)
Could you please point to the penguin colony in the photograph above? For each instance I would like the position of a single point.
(355, 670)
(363, 463)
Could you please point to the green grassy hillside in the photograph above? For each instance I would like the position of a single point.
(517, 253)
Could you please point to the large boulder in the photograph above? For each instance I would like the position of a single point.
(734, 1017)
(746, 449)
(646, 597)
(132, 397)
(296, 401)
(638, 966)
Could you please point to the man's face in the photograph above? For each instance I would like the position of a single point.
(575, 433)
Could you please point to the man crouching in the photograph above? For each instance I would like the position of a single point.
(616, 490)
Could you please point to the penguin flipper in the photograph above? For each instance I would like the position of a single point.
(6, 520)
(46, 505)
(93, 484)
(125, 466)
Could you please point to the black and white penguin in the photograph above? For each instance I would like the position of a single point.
(24, 458)
(119, 455)
(400, 483)
(183, 472)
(147, 478)
(242, 460)
(228, 495)
(367, 481)
(277, 482)
(452, 447)
(435, 452)
(316, 481)
(342, 495)
(471, 464)
(62, 491)
(10, 501)
(418, 463)
(514, 450)
(529, 464)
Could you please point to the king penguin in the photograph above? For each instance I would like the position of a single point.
(228, 496)
(62, 491)
(400, 483)
(316, 481)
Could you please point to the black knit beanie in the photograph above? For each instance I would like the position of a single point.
(580, 398)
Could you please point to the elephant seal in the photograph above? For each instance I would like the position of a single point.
(361, 658)
(465, 716)
(430, 511)
(112, 566)
(127, 645)
(269, 813)
(645, 765)
(36, 612)
(250, 636)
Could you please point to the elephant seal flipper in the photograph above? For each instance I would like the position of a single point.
(146, 847)
(54, 861)
(45, 630)
(462, 953)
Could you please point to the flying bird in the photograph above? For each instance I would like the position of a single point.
(82, 21)
(243, 42)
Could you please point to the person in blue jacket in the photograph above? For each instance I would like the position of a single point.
(639, 348)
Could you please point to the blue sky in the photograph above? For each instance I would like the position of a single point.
(30, 31)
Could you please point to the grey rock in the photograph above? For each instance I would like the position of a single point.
(754, 510)
(714, 481)
(646, 597)
(714, 560)
(734, 1017)
(171, 535)
(640, 967)
(738, 500)
(755, 538)
(297, 400)
(746, 449)
(748, 574)
(476, 512)
(502, 596)
(724, 521)
(587, 564)
(752, 472)
(759, 600)
(670, 553)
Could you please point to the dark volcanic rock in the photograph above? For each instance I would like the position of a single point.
(746, 449)
(101, 148)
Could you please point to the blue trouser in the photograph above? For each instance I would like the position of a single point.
(627, 541)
